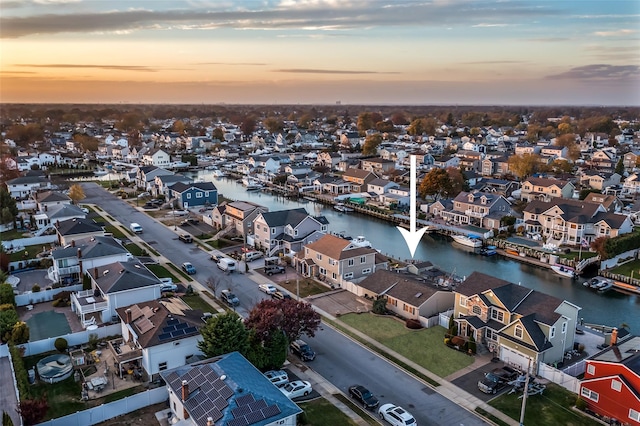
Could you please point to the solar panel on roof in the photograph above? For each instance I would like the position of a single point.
(220, 403)
(206, 387)
(244, 400)
(172, 321)
(226, 393)
(177, 333)
(169, 329)
(270, 411)
(198, 412)
(181, 326)
(215, 414)
(240, 411)
(258, 405)
(190, 330)
(254, 417)
(164, 336)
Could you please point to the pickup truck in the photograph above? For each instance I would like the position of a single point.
(497, 379)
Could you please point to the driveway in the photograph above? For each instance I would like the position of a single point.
(469, 382)
(340, 302)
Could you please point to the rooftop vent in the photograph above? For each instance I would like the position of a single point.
(418, 294)
(106, 271)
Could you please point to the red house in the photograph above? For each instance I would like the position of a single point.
(611, 384)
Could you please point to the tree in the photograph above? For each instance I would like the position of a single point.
(61, 344)
(435, 183)
(599, 246)
(76, 193)
(422, 126)
(380, 305)
(6, 294)
(569, 141)
(9, 210)
(273, 124)
(269, 353)
(19, 333)
(367, 121)
(33, 411)
(88, 143)
(248, 125)
(619, 167)
(371, 144)
(524, 165)
(222, 334)
(8, 319)
(293, 317)
(218, 134)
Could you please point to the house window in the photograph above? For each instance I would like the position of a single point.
(477, 310)
(366, 271)
(348, 275)
(318, 256)
(552, 333)
(350, 262)
(463, 301)
(564, 327)
(591, 369)
(363, 259)
(409, 309)
(198, 194)
(588, 393)
(206, 194)
(518, 332)
(634, 415)
(323, 228)
(162, 366)
(616, 385)
(323, 271)
(273, 230)
(333, 275)
(332, 262)
(497, 315)
(188, 196)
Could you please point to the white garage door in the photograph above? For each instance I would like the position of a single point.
(513, 357)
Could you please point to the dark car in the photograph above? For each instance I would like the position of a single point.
(362, 395)
(188, 268)
(302, 350)
(497, 379)
(274, 269)
(185, 238)
(229, 298)
(280, 295)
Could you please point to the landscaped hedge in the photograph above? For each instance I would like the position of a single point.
(22, 378)
(621, 244)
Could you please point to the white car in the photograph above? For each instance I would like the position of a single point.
(296, 389)
(267, 288)
(397, 416)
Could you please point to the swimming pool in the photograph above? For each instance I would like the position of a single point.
(54, 368)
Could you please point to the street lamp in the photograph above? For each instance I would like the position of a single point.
(173, 211)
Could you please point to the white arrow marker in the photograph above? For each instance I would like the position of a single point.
(412, 237)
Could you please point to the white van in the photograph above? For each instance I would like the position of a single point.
(227, 265)
(136, 228)
(252, 255)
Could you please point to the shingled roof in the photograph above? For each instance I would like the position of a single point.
(336, 248)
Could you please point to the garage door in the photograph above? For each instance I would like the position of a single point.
(513, 357)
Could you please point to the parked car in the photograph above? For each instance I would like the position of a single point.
(267, 288)
(277, 377)
(252, 255)
(144, 194)
(216, 257)
(165, 287)
(178, 213)
(185, 238)
(188, 268)
(363, 396)
(229, 298)
(497, 379)
(302, 350)
(274, 269)
(395, 415)
(296, 389)
(280, 295)
(190, 221)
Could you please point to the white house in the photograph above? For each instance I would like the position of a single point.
(156, 157)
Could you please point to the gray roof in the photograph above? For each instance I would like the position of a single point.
(93, 247)
(51, 197)
(121, 276)
(25, 180)
(285, 217)
(78, 226)
(202, 186)
(64, 210)
(399, 286)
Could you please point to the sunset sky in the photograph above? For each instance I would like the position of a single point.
(530, 52)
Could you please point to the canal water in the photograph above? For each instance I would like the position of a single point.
(611, 309)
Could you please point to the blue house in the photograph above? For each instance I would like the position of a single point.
(194, 194)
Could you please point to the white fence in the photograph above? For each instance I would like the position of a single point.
(558, 377)
(25, 299)
(113, 409)
(4, 352)
(73, 339)
(444, 318)
(613, 262)
(31, 241)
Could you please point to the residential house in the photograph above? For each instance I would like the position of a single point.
(115, 285)
(497, 186)
(226, 390)
(604, 160)
(77, 229)
(447, 161)
(398, 196)
(57, 213)
(631, 160)
(194, 194)
(164, 182)
(526, 148)
(609, 202)
(380, 186)
(522, 327)
(328, 159)
(71, 262)
(146, 176)
(611, 383)
(494, 165)
(631, 185)
(554, 152)
(239, 215)
(481, 209)
(24, 186)
(156, 157)
(470, 160)
(331, 185)
(335, 260)
(358, 179)
(377, 165)
(572, 221)
(287, 231)
(545, 189)
(599, 180)
(407, 295)
(159, 335)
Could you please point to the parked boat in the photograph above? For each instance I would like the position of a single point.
(606, 286)
(601, 285)
(564, 271)
(488, 250)
(360, 241)
(254, 187)
(342, 208)
(468, 240)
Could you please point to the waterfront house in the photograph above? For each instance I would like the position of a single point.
(71, 262)
(146, 175)
(240, 215)
(194, 194)
(158, 334)
(156, 157)
(406, 294)
(481, 209)
(76, 229)
(163, 182)
(497, 186)
(24, 186)
(609, 202)
(545, 189)
(334, 259)
(611, 383)
(226, 390)
(599, 180)
(521, 326)
(287, 231)
(358, 179)
(113, 286)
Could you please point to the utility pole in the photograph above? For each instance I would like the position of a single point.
(297, 287)
(524, 395)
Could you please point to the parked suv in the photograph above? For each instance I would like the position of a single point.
(185, 238)
(274, 269)
(229, 298)
(302, 350)
(497, 379)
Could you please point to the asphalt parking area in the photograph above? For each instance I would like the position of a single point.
(469, 382)
(339, 302)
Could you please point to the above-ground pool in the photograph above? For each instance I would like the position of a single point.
(55, 368)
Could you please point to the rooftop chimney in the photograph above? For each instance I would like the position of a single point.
(79, 253)
(185, 390)
(614, 336)
(128, 313)
(46, 208)
(209, 421)
(95, 273)
(73, 243)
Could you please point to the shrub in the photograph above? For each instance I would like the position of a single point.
(22, 378)
(471, 347)
(33, 410)
(35, 288)
(380, 305)
(6, 307)
(413, 324)
(61, 344)
(447, 341)
(93, 340)
(580, 404)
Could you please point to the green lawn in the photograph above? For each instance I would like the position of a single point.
(11, 234)
(553, 407)
(308, 286)
(424, 347)
(627, 268)
(180, 272)
(197, 302)
(32, 251)
(321, 412)
(161, 272)
(366, 416)
(117, 233)
(134, 249)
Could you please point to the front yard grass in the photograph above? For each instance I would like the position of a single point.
(627, 268)
(161, 272)
(196, 302)
(553, 407)
(424, 347)
(321, 412)
(12, 234)
(115, 231)
(308, 286)
(135, 249)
